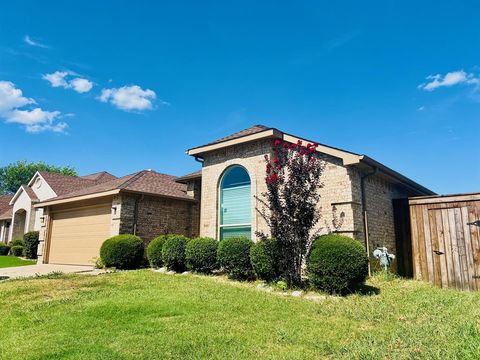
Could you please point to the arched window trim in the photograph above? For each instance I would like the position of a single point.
(240, 226)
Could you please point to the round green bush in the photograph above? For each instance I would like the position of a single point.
(154, 251)
(337, 263)
(263, 256)
(173, 252)
(31, 244)
(17, 250)
(233, 256)
(201, 255)
(4, 249)
(122, 252)
(17, 242)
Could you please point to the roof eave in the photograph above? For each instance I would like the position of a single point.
(190, 199)
(265, 134)
(185, 179)
(397, 176)
(76, 198)
(347, 157)
(5, 217)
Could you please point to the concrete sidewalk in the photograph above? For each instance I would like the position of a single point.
(42, 269)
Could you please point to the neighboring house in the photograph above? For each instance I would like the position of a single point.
(5, 216)
(44, 185)
(74, 225)
(355, 187)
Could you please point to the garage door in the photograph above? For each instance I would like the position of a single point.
(77, 234)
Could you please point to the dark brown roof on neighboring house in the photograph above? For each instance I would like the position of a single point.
(7, 215)
(100, 176)
(251, 130)
(30, 193)
(146, 181)
(64, 184)
(191, 176)
(5, 208)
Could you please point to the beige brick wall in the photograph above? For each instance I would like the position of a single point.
(158, 215)
(336, 195)
(251, 157)
(379, 194)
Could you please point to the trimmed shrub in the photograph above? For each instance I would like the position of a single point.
(122, 252)
(263, 256)
(173, 252)
(4, 249)
(233, 256)
(337, 263)
(31, 244)
(154, 251)
(17, 242)
(17, 250)
(201, 254)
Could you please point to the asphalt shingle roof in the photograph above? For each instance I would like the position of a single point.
(250, 131)
(5, 208)
(194, 175)
(64, 184)
(146, 181)
(100, 176)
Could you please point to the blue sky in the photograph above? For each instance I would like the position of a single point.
(124, 86)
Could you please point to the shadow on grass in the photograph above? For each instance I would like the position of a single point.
(365, 290)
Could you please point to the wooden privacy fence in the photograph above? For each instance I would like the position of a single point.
(445, 234)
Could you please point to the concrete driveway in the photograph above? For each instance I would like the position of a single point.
(42, 269)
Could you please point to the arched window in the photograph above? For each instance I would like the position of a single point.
(235, 203)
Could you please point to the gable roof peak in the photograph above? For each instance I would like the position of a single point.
(99, 176)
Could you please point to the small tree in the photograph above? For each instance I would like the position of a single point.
(289, 206)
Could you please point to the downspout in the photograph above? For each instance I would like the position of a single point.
(135, 213)
(365, 215)
(201, 161)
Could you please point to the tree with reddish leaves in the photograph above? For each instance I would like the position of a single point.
(290, 204)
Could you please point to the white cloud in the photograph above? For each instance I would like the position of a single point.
(81, 85)
(59, 79)
(12, 103)
(31, 117)
(11, 97)
(58, 127)
(129, 97)
(421, 108)
(449, 79)
(31, 42)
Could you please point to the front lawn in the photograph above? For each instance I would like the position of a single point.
(10, 261)
(148, 315)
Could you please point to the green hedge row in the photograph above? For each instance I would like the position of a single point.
(336, 264)
(238, 256)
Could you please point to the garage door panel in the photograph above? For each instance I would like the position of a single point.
(93, 226)
(67, 214)
(77, 235)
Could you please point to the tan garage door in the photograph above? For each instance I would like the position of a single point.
(76, 235)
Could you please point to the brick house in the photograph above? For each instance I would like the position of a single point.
(24, 217)
(359, 198)
(74, 225)
(358, 192)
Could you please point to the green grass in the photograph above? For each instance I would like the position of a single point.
(147, 315)
(10, 261)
